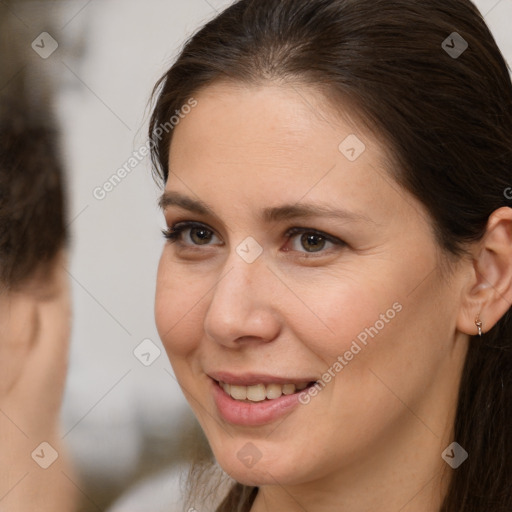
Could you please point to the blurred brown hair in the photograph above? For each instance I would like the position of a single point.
(32, 206)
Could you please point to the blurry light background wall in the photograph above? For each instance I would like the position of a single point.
(121, 419)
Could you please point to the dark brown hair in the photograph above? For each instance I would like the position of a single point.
(448, 122)
(32, 207)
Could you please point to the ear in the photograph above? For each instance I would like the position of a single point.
(18, 324)
(488, 295)
(30, 312)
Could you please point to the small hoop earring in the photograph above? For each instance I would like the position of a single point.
(478, 324)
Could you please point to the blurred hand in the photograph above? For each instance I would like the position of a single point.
(34, 336)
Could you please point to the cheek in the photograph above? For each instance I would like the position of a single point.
(178, 308)
(370, 322)
(344, 311)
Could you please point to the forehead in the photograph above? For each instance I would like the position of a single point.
(262, 146)
(280, 117)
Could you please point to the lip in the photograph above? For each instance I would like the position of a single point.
(252, 414)
(251, 379)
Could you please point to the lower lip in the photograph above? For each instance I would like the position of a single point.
(252, 414)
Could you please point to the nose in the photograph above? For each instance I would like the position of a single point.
(243, 307)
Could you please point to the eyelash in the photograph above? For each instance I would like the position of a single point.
(174, 233)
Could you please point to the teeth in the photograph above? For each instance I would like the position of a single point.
(274, 391)
(260, 392)
(256, 393)
(238, 392)
(288, 389)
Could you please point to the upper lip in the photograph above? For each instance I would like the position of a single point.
(251, 379)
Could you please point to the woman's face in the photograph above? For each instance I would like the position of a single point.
(295, 259)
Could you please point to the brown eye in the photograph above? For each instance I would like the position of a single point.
(191, 234)
(200, 236)
(312, 242)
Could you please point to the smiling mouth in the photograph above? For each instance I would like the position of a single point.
(262, 392)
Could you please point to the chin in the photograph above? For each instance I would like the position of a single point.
(245, 467)
(256, 476)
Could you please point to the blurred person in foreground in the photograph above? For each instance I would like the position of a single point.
(34, 292)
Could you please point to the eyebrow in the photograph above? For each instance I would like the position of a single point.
(193, 205)
(269, 215)
(294, 211)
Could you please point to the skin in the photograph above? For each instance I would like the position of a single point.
(373, 438)
(34, 337)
